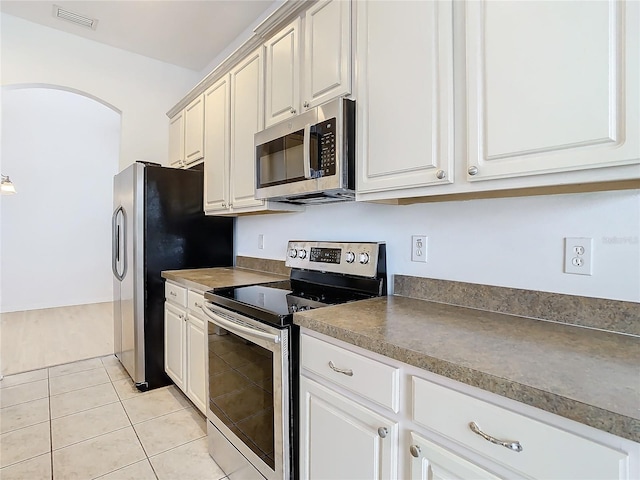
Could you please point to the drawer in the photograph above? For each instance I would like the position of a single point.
(371, 379)
(195, 301)
(547, 451)
(175, 293)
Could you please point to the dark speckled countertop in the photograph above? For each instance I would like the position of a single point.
(586, 375)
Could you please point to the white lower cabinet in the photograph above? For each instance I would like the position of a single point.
(196, 379)
(342, 439)
(185, 342)
(174, 336)
(429, 461)
(442, 430)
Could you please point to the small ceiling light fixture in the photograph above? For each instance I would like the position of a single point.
(6, 186)
(76, 18)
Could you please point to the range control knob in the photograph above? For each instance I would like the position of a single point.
(364, 258)
(350, 257)
(302, 253)
(293, 253)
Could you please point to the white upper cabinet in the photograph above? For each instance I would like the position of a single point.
(301, 75)
(216, 143)
(282, 82)
(551, 87)
(246, 120)
(176, 140)
(404, 95)
(233, 114)
(186, 134)
(194, 131)
(327, 52)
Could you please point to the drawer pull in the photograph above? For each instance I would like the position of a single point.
(515, 446)
(173, 294)
(198, 305)
(347, 371)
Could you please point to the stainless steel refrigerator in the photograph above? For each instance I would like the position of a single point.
(158, 224)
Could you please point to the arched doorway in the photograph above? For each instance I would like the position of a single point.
(61, 149)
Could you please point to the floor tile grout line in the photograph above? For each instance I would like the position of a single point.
(89, 438)
(50, 427)
(176, 446)
(77, 389)
(80, 371)
(82, 411)
(136, 432)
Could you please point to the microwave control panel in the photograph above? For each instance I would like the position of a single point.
(326, 134)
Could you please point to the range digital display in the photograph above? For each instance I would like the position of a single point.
(325, 255)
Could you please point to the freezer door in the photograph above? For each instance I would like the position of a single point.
(128, 307)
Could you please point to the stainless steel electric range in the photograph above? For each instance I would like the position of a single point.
(253, 352)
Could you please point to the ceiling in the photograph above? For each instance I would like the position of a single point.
(187, 33)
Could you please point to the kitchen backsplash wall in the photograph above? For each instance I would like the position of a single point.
(508, 242)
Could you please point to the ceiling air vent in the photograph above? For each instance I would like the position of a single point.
(76, 18)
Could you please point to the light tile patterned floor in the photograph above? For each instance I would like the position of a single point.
(87, 420)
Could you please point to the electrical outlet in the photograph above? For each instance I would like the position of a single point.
(578, 255)
(419, 248)
(261, 241)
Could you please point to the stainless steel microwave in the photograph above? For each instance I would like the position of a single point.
(310, 158)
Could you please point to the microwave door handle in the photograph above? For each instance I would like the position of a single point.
(306, 158)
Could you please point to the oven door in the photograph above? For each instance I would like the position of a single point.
(249, 395)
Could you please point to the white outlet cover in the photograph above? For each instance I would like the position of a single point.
(419, 248)
(578, 257)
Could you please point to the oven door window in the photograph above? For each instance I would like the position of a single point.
(241, 391)
(282, 160)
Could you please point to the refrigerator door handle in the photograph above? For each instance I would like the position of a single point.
(115, 251)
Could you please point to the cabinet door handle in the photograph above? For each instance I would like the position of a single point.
(414, 450)
(515, 446)
(346, 371)
(383, 432)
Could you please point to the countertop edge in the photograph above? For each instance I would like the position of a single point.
(596, 417)
(174, 276)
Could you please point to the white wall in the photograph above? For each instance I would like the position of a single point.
(61, 151)
(143, 89)
(511, 242)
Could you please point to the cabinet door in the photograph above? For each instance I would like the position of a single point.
(174, 343)
(176, 140)
(196, 380)
(216, 144)
(551, 86)
(246, 119)
(405, 95)
(282, 70)
(194, 130)
(340, 439)
(430, 461)
(327, 47)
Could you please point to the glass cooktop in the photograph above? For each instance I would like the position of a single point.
(275, 303)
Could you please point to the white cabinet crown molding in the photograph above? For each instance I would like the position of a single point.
(285, 13)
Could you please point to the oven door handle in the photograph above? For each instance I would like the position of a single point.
(236, 328)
